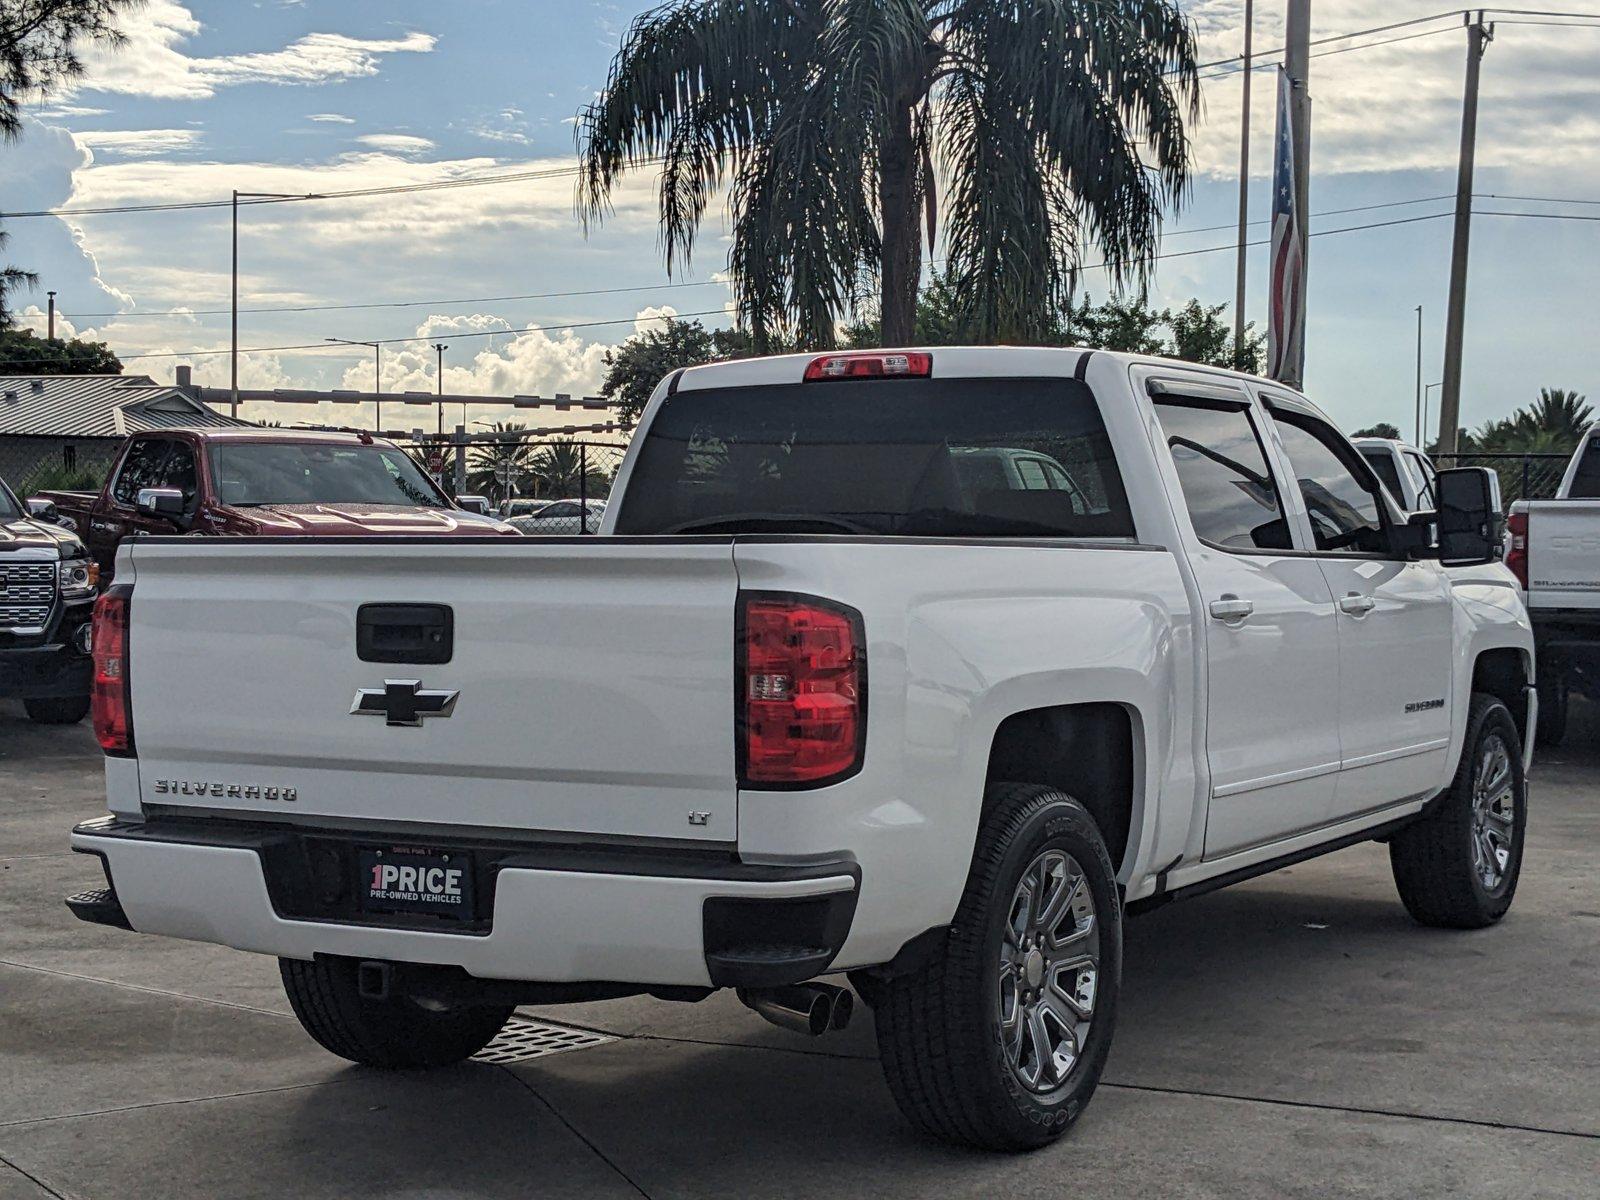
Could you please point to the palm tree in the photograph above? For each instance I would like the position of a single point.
(560, 465)
(1053, 124)
(502, 465)
(1553, 424)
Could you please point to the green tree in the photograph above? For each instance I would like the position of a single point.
(24, 353)
(12, 279)
(635, 367)
(1381, 430)
(1057, 125)
(39, 48)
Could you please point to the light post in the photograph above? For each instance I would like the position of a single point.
(377, 377)
(439, 349)
(233, 387)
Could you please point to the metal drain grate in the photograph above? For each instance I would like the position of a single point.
(523, 1039)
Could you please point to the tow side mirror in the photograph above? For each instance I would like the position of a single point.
(44, 510)
(167, 503)
(1470, 520)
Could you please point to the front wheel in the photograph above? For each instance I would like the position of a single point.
(396, 1033)
(66, 711)
(998, 1041)
(1457, 867)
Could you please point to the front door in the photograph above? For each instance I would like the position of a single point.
(1272, 728)
(1395, 620)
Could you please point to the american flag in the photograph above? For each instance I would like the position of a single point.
(1286, 326)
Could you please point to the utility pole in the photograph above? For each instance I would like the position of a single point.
(1297, 62)
(1479, 36)
(1244, 188)
(233, 353)
(52, 320)
(440, 348)
(377, 376)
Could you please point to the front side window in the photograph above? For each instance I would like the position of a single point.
(1422, 475)
(911, 458)
(178, 471)
(1345, 509)
(141, 468)
(1227, 485)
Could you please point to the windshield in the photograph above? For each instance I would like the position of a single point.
(917, 458)
(251, 473)
(10, 507)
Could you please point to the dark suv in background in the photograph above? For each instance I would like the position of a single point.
(47, 591)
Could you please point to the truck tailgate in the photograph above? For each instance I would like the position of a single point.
(1564, 554)
(595, 683)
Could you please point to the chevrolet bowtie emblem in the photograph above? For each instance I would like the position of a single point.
(403, 702)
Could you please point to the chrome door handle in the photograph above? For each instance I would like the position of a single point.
(1357, 605)
(1231, 608)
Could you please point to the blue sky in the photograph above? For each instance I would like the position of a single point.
(319, 95)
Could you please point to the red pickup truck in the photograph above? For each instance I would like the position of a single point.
(262, 483)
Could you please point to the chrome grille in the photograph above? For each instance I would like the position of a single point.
(27, 593)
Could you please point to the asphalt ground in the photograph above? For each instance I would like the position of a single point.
(1296, 1036)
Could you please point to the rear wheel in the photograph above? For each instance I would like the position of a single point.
(395, 1033)
(65, 711)
(1458, 866)
(998, 1041)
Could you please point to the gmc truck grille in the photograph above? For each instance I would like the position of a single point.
(27, 594)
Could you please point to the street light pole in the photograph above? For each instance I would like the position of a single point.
(1419, 375)
(377, 376)
(440, 348)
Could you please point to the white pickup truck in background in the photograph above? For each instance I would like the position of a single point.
(1406, 471)
(913, 669)
(1553, 548)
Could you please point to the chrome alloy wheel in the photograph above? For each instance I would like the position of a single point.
(1493, 812)
(1049, 969)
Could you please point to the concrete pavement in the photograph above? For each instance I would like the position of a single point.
(1295, 1036)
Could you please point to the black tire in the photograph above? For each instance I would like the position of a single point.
(66, 711)
(395, 1034)
(1552, 726)
(1433, 859)
(939, 1027)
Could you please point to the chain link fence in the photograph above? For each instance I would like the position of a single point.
(37, 464)
(549, 486)
(1522, 476)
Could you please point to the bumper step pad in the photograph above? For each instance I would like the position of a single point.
(99, 906)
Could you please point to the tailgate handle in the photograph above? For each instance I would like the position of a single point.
(405, 633)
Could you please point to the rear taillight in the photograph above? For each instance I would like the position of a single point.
(113, 720)
(1517, 547)
(802, 691)
(898, 365)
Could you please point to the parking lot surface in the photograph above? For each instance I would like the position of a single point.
(1293, 1036)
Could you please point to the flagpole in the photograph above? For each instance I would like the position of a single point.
(1297, 62)
(1244, 190)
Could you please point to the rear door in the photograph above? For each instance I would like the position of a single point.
(588, 689)
(1272, 712)
(1395, 621)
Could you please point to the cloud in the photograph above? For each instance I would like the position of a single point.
(396, 143)
(1398, 106)
(152, 63)
(332, 118)
(140, 143)
(37, 319)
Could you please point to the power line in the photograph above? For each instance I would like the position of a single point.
(643, 287)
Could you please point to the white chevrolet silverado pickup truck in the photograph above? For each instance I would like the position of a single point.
(915, 669)
(1554, 551)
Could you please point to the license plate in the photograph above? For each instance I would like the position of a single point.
(411, 880)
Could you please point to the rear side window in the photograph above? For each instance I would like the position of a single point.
(1227, 485)
(141, 469)
(1586, 480)
(912, 458)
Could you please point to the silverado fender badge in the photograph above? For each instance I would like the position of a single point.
(403, 702)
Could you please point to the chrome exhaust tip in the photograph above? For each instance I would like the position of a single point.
(809, 1008)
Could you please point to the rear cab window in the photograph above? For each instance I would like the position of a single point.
(970, 457)
(1586, 479)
